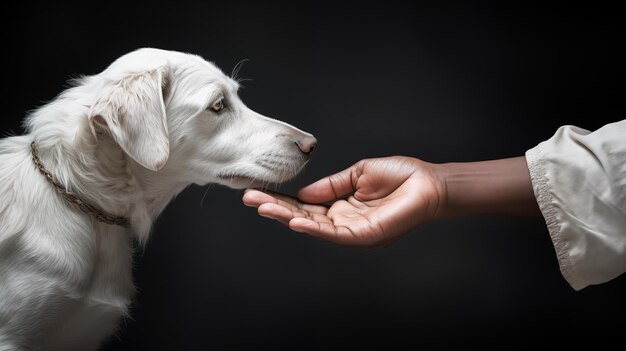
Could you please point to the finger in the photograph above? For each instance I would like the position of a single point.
(331, 188)
(255, 198)
(324, 230)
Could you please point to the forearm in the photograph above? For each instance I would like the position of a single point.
(489, 187)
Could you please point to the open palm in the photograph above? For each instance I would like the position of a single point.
(372, 203)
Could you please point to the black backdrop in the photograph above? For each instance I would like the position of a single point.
(447, 82)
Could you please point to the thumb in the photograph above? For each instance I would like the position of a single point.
(332, 187)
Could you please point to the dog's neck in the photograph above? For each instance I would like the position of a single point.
(158, 188)
(104, 176)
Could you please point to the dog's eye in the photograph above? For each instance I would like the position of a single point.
(218, 105)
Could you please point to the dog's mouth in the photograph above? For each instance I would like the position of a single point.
(242, 181)
(264, 175)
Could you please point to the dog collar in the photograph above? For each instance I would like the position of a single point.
(72, 198)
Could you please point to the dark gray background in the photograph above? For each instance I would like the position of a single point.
(445, 82)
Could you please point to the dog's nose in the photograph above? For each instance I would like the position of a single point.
(307, 144)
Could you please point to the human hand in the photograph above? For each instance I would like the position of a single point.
(371, 204)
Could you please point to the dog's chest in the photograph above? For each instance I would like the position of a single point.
(111, 278)
(106, 294)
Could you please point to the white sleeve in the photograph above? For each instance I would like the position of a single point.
(579, 180)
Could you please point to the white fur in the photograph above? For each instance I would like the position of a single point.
(126, 140)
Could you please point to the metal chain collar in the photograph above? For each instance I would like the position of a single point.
(73, 198)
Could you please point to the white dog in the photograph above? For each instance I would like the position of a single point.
(99, 164)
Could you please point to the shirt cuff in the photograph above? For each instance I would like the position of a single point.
(545, 200)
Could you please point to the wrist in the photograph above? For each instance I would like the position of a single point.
(442, 173)
(438, 175)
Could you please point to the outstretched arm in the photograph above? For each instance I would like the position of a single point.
(376, 201)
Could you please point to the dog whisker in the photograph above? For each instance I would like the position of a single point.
(204, 195)
(234, 74)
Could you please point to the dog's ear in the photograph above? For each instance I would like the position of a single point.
(131, 108)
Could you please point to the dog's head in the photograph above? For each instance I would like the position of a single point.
(176, 112)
